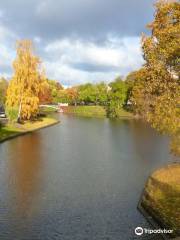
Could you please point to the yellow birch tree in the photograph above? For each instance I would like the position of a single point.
(26, 82)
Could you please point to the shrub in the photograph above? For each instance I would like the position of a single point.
(12, 113)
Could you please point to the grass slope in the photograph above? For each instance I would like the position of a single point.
(94, 111)
(87, 111)
(162, 197)
(12, 130)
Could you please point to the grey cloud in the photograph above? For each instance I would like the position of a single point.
(85, 21)
(90, 67)
(90, 19)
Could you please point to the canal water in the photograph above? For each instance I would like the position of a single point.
(78, 180)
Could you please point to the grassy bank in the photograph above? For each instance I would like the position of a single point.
(122, 113)
(161, 198)
(93, 111)
(87, 111)
(13, 130)
(48, 109)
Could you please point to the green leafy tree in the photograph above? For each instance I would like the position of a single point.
(95, 94)
(3, 89)
(87, 94)
(62, 96)
(55, 90)
(117, 97)
(102, 96)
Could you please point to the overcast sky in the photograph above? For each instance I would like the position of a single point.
(78, 40)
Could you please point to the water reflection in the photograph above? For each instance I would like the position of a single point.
(77, 180)
(25, 173)
(148, 143)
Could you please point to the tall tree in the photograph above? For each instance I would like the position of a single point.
(72, 94)
(25, 84)
(3, 89)
(130, 80)
(117, 97)
(55, 89)
(87, 93)
(92, 93)
(102, 93)
(139, 95)
(45, 94)
(157, 92)
(162, 56)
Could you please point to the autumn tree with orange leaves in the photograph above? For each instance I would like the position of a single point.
(72, 94)
(157, 92)
(27, 82)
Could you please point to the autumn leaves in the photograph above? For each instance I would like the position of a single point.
(26, 84)
(157, 89)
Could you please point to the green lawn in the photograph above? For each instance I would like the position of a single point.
(8, 131)
(48, 109)
(122, 113)
(87, 111)
(11, 130)
(94, 111)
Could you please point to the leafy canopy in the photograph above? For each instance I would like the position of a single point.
(117, 97)
(157, 92)
(26, 82)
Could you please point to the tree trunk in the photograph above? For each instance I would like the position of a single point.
(19, 112)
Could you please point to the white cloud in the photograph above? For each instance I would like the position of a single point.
(69, 76)
(5, 33)
(37, 39)
(74, 61)
(78, 61)
(7, 50)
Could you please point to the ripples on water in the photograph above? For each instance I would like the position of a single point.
(80, 179)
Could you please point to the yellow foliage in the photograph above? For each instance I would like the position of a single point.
(157, 92)
(26, 82)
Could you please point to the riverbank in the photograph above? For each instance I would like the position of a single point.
(86, 111)
(13, 130)
(93, 111)
(160, 202)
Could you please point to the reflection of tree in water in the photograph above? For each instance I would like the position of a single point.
(26, 154)
(138, 138)
(148, 143)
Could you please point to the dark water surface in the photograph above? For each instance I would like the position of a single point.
(79, 180)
